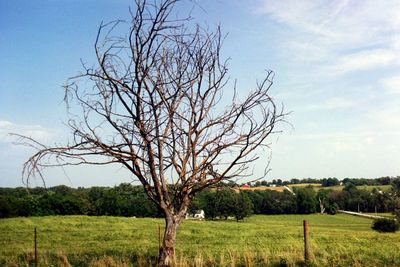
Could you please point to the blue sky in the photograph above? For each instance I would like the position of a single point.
(337, 66)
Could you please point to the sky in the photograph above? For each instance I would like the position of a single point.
(336, 64)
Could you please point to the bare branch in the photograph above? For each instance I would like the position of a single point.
(154, 103)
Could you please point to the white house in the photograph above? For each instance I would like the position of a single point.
(199, 215)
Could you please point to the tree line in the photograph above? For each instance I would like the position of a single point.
(121, 200)
(220, 202)
(331, 181)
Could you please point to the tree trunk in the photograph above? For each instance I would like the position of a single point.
(321, 206)
(166, 255)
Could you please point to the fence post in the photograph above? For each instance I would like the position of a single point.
(159, 238)
(35, 241)
(306, 252)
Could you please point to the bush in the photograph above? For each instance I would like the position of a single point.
(397, 214)
(385, 225)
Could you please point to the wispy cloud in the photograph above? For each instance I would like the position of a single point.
(385, 118)
(358, 21)
(344, 35)
(365, 60)
(335, 103)
(37, 132)
(392, 84)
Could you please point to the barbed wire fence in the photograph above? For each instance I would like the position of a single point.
(41, 241)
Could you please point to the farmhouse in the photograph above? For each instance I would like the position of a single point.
(199, 215)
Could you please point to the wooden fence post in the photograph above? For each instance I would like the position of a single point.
(159, 238)
(306, 252)
(35, 241)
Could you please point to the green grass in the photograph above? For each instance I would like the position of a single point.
(383, 188)
(338, 240)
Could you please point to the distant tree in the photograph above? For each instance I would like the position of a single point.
(350, 187)
(6, 207)
(322, 197)
(396, 197)
(384, 180)
(330, 182)
(294, 181)
(211, 205)
(306, 200)
(71, 205)
(243, 206)
(273, 202)
(287, 202)
(54, 203)
(231, 184)
(107, 203)
(326, 205)
(224, 203)
(396, 185)
(199, 202)
(310, 181)
(225, 199)
(30, 206)
(256, 199)
(94, 195)
(62, 190)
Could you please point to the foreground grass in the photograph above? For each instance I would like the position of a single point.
(339, 240)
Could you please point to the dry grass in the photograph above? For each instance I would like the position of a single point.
(276, 188)
(260, 188)
(108, 261)
(306, 185)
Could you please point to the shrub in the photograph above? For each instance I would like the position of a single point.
(397, 214)
(385, 225)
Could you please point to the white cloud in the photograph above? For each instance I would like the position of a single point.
(335, 103)
(385, 118)
(365, 60)
(359, 21)
(392, 84)
(36, 132)
(366, 137)
(343, 35)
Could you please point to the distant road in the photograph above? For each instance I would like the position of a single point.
(361, 214)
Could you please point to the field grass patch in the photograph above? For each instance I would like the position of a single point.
(266, 240)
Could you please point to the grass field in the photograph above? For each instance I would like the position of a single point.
(364, 187)
(280, 188)
(339, 240)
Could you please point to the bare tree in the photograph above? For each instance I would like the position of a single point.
(152, 103)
